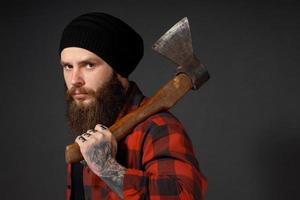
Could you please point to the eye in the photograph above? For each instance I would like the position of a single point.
(67, 67)
(90, 65)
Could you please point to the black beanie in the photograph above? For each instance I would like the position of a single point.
(108, 37)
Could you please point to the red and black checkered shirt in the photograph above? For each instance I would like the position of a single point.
(159, 158)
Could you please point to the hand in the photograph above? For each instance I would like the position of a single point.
(98, 147)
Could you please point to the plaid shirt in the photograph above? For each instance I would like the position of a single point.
(159, 158)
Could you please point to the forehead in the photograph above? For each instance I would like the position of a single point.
(77, 54)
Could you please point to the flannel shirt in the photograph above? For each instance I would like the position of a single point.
(159, 158)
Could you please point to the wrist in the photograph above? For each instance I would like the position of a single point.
(111, 168)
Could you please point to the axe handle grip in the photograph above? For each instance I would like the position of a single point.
(164, 99)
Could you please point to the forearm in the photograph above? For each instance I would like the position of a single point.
(113, 176)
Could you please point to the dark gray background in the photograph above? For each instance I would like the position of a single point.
(244, 122)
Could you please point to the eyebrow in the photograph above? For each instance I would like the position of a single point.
(85, 61)
(64, 63)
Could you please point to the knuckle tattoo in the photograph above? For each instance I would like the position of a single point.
(87, 134)
(81, 138)
(103, 127)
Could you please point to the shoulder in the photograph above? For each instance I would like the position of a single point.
(159, 120)
(160, 124)
(163, 135)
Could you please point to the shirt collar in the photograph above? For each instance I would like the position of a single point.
(133, 100)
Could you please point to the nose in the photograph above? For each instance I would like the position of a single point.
(77, 78)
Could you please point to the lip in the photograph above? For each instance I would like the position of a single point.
(79, 95)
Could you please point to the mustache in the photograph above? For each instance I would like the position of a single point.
(70, 92)
(82, 90)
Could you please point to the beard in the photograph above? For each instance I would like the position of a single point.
(105, 107)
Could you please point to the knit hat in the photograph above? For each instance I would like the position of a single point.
(108, 37)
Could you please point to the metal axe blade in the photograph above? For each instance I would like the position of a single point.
(176, 45)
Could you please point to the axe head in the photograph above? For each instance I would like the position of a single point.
(176, 45)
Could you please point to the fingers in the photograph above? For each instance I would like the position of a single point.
(89, 133)
(80, 139)
(106, 132)
(101, 128)
(99, 131)
(94, 136)
(85, 136)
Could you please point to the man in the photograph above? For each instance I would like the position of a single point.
(156, 161)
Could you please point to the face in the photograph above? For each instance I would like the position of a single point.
(84, 72)
(95, 93)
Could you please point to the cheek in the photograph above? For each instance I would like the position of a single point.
(98, 79)
(67, 80)
(95, 83)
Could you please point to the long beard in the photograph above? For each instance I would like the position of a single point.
(104, 109)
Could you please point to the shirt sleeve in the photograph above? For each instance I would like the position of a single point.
(169, 167)
(68, 189)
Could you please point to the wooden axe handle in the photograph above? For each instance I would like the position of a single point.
(164, 99)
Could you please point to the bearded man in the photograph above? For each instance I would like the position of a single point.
(156, 160)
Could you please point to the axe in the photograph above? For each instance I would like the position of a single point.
(176, 45)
